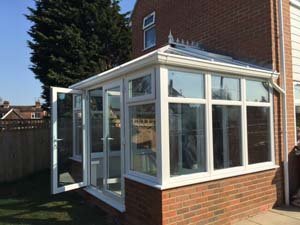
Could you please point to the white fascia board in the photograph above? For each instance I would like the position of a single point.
(194, 63)
(129, 67)
(7, 114)
(295, 3)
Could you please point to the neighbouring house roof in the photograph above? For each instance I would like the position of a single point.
(182, 54)
(17, 111)
(9, 112)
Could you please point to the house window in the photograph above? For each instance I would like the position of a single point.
(226, 122)
(221, 118)
(149, 31)
(187, 129)
(141, 86)
(141, 129)
(227, 140)
(38, 115)
(142, 125)
(186, 85)
(258, 121)
(187, 138)
(32, 115)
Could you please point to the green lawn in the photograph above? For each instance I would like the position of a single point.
(28, 202)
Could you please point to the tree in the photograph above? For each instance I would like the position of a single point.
(74, 39)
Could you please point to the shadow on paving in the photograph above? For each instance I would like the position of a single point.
(29, 202)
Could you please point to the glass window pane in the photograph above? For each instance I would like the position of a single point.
(186, 85)
(225, 88)
(259, 143)
(96, 120)
(143, 138)
(257, 91)
(150, 37)
(187, 138)
(227, 140)
(140, 86)
(297, 110)
(96, 135)
(77, 104)
(297, 91)
(149, 20)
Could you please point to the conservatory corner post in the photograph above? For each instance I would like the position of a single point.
(162, 99)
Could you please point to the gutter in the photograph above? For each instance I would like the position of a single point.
(284, 104)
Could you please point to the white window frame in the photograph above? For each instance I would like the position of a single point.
(143, 100)
(147, 28)
(33, 116)
(147, 17)
(296, 103)
(211, 174)
(137, 75)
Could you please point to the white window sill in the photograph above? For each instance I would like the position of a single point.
(118, 205)
(186, 180)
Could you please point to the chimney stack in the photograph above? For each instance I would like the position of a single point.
(6, 104)
(38, 104)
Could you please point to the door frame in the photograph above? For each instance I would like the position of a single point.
(54, 139)
(107, 86)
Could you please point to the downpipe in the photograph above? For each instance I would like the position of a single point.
(284, 104)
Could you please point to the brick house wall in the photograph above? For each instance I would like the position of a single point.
(241, 29)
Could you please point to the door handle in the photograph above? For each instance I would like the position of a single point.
(57, 140)
(109, 139)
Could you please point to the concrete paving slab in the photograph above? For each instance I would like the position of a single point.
(271, 218)
(288, 211)
(245, 222)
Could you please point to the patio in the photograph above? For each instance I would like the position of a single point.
(279, 216)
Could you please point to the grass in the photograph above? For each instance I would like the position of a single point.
(28, 202)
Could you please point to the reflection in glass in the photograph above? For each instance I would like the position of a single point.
(140, 86)
(227, 141)
(187, 138)
(69, 170)
(186, 85)
(78, 133)
(297, 110)
(225, 88)
(143, 138)
(297, 91)
(259, 139)
(96, 137)
(113, 140)
(257, 91)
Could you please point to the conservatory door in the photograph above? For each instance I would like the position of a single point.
(113, 138)
(68, 141)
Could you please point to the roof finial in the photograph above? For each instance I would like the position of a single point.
(171, 38)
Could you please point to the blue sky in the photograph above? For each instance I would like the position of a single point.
(17, 82)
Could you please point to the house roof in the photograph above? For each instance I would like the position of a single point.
(185, 55)
(12, 110)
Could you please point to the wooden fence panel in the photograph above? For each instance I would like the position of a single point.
(23, 150)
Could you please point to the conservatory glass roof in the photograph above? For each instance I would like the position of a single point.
(182, 55)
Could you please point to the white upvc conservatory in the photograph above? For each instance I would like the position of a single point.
(174, 117)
